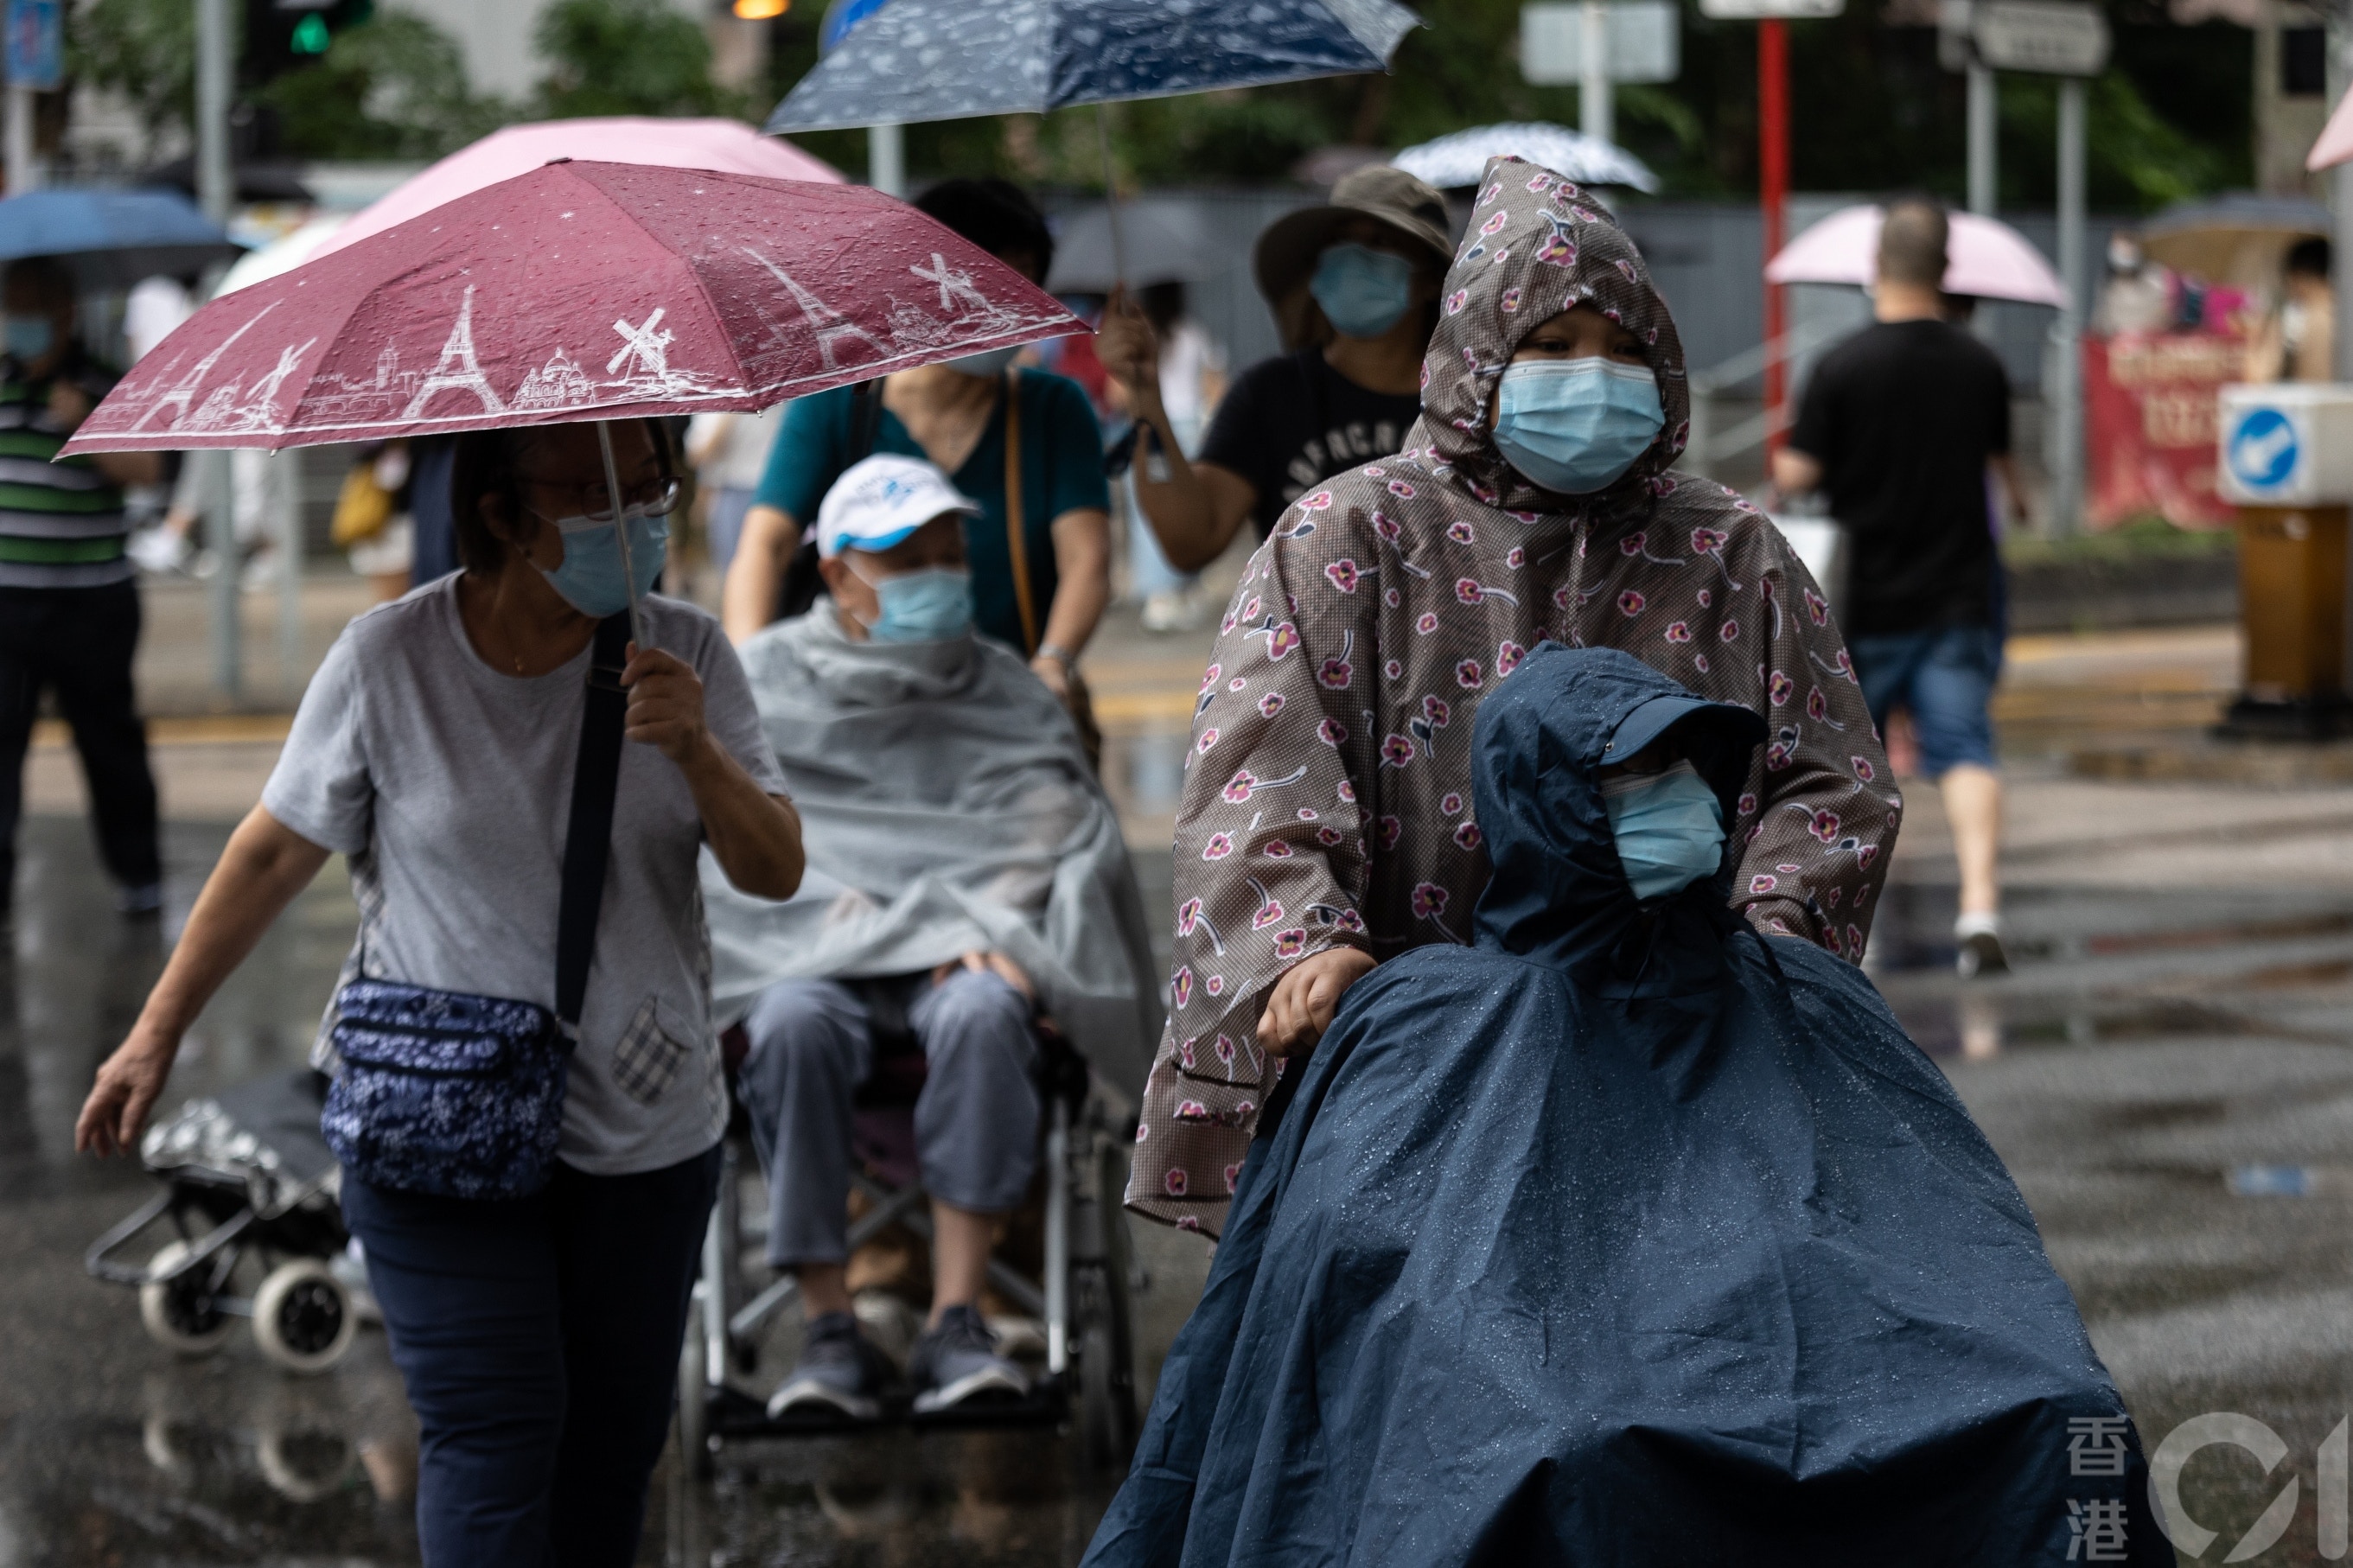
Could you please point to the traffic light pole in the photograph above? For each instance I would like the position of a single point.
(216, 194)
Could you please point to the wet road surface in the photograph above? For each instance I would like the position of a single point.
(2167, 1074)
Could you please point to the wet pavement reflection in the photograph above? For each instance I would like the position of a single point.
(2169, 1073)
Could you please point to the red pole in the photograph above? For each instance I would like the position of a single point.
(1773, 189)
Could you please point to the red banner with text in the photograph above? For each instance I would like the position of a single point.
(2149, 402)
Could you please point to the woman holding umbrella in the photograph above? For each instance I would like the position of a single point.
(537, 1335)
(521, 763)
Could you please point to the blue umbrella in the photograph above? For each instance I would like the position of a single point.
(949, 60)
(113, 238)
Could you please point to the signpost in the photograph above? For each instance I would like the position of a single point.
(1772, 18)
(37, 63)
(2068, 39)
(886, 145)
(1594, 44)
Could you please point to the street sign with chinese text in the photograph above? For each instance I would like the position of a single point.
(2049, 37)
(37, 43)
(1765, 10)
(1644, 41)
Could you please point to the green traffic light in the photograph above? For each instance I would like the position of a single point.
(310, 36)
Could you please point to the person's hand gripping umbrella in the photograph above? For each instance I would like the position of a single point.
(576, 292)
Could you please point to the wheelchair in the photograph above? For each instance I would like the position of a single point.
(1081, 1295)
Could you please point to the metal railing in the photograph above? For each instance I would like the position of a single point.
(1708, 446)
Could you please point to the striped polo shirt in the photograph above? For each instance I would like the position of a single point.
(61, 520)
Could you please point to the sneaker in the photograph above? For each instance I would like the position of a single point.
(1179, 610)
(1979, 937)
(838, 1368)
(147, 899)
(957, 1361)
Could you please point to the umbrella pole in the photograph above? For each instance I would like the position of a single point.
(620, 527)
(1111, 196)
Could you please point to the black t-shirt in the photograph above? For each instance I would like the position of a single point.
(1903, 416)
(1289, 423)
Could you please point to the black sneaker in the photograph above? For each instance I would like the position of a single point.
(142, 901)
(839, 1368)
(957, 1360)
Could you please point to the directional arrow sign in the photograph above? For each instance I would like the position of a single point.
(2050, 37)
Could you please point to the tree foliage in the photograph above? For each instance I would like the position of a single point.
(393, 87)
(624, 56)
(144, 49)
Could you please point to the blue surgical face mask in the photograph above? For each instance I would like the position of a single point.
(29, 337)
(1575, 426)
(930, 606)
(986, 365)
(1364, 291)
(1669, 827)
(591, 579)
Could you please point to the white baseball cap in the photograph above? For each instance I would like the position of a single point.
(881, 501)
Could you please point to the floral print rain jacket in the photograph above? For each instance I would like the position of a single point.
(1328, 792)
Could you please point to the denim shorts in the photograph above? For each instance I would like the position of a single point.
(1944, 678)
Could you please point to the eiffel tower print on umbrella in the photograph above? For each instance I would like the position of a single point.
(691, 290)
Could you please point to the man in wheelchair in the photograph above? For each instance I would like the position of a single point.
(966, 875)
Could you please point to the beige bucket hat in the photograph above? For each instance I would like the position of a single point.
(1287, 251)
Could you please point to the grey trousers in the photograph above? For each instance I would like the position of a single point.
(975, 1120)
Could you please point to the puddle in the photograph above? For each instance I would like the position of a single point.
(2271, 1181)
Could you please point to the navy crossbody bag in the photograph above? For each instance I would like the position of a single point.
(462, 1097)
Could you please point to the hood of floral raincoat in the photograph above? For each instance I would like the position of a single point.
(1536, 246)
(1559, 893)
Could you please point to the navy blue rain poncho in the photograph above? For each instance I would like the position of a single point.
(1625, 1237)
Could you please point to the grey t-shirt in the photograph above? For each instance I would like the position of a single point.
(448, 785)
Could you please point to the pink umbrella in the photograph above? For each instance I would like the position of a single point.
(1985, 259)
(577, 291)
(728, 146)
(2335, 143)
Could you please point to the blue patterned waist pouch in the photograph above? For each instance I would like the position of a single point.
(445, 1094)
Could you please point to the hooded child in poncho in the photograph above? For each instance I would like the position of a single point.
(1327, 801)
(1626, 1235)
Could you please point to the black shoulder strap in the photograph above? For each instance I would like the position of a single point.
(588, 835)
(802, 584)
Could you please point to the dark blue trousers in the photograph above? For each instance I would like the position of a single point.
(539, 1341)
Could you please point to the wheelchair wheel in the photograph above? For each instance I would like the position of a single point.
(303, 1316)
(693, 1397)
(181, 1314)
(1106, 1343)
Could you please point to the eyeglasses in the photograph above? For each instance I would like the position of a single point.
(653, 498)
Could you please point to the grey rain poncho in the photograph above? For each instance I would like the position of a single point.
(946, 806)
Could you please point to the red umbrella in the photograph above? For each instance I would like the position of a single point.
(576, 292)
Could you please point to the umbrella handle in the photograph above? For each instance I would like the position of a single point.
(1110, 197)
(620, 527)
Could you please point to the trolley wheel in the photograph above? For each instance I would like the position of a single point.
(303, 1316)
(181, 1314)
(1106, 1342)
(693, 1397)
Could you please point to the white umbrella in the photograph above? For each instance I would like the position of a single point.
(1461, 158)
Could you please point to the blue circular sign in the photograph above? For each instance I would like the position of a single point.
(2263, 449)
